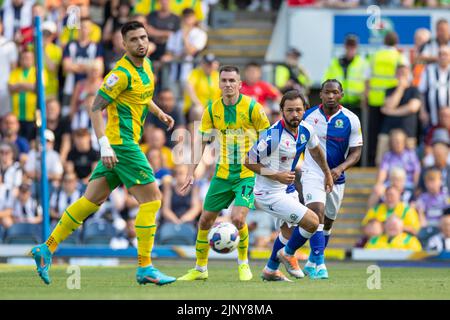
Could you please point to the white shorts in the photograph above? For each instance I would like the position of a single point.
(314, 191)
(285, 207)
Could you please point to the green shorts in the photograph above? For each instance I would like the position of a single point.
(221, 194)
(132, 169)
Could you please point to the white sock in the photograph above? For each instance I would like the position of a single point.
(242, 262)
(201, 269)
(321, 266)
(269, 269)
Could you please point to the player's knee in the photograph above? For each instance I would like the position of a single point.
(205, 222)
(310, 222)
(238, 221)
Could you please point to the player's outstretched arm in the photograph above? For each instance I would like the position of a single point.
(196, 157)
(107, 154)
(319, 157)
(162, 116)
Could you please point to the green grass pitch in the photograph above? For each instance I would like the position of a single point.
(347, 281)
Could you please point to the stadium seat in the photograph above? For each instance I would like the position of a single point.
(98, 233)
(23, 233)
(180, 234)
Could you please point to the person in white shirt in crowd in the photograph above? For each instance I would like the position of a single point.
(64, 196)
(16, 15)
(6, 200)
(441, 241)
(10, 170)
(183, 45)
(54, 166)
(8, 57)
(25, 207)
(431, 49)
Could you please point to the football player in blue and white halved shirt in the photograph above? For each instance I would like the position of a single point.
(339, 132)
(274, 158)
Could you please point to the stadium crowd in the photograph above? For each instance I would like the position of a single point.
(408, 128)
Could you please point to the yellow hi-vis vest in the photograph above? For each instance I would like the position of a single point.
(282, 75)
(354, 83)
(383, 66)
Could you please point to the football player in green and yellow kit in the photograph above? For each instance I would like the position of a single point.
(237, 119)
(126, 93)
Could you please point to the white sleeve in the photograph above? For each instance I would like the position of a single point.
(170, 45)
(423, 81)
(356, 138)
(198, 39)
(313, 139)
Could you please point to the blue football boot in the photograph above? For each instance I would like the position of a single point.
(150, 274)
(43, 258)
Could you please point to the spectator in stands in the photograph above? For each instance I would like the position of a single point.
(202, 88)
(8, 56)
(394, 206)
(6, 202)
(77, 57)
(155, 138)
(382, 3)
(350, 70)
(168, 103)
(434, 86)
(25, 207)
(431, 204)
(117, 20)
(82, 98)
(438, 159)
(113, 54)
(380, 77)
(394, 238)
(10, 133)
(291, 75)
(444, 123)
(399, 156)
(60, 126)
(430, 51)
(73, 28)
(10, 170)
(177, 209)
(441, 241)
(16, 17)
(62, 197)
(160, 170)
(52, 59)
(82, 158)
(341, 4)
(397, 179)
(32, 167)
(22, 85)
(400, 110)
(421, 37)
(263, 92)
(183, 45)
(162, 24)
(373, 228)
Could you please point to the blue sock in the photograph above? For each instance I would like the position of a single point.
(317, 243)
(273, 262)
(298, 238)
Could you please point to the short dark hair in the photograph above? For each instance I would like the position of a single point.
(441, 21)
(292, 95)
(252, 64)
(131, 26)
(229, 68)
(332, 81)
(187, 12)
(391, 38)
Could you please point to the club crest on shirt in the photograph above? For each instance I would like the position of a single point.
(302, 138)
(112, 80)
(339, 124)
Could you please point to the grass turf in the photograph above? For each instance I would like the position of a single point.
(347, 281)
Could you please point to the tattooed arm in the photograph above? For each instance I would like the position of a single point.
(107, 154)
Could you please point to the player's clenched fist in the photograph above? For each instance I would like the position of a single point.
(107, 154)
(286, 177)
